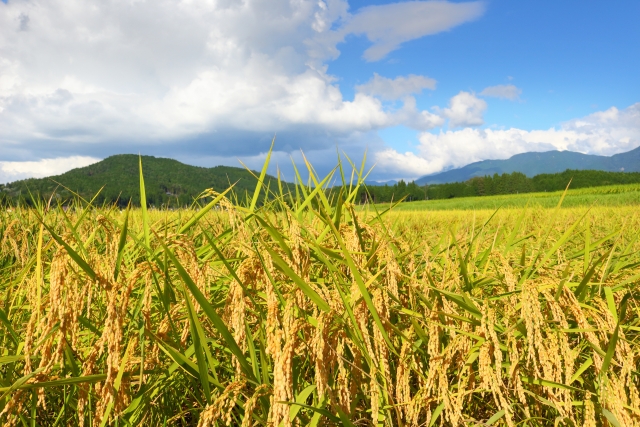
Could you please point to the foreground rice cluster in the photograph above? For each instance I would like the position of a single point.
(311, 312)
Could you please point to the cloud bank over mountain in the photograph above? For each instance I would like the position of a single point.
(77, 74)
(211, 81)
(606, 133)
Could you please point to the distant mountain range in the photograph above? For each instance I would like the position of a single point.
(167, 181)
(171, 182)
(532, 164)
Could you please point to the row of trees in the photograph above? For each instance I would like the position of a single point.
(507, 183)
(161, 192)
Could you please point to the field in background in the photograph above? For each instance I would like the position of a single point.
(312, 312)
(615, 195)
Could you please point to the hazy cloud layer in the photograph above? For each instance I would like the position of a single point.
(605, 133)
(388, 26)
(393, 89)
(510, 92)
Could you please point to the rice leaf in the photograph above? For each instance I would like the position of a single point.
(143, 207)
(304, 287)
(611, 418)
(121, 244)
(263, 173)
(495, 418)
(211, 314)
(198, 338)
(614, 338)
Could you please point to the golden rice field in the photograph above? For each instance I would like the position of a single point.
(313, 313)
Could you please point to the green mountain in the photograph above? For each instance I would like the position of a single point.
(532, 164)
(167, 182)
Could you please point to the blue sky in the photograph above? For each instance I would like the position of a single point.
(422, 86)
(569, 57)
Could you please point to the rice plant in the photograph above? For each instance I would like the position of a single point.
(302, 309)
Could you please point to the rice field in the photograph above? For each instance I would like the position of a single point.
(307, 311)
(609, 195)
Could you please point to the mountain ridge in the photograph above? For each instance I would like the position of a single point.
(536, 163)
(167, 181)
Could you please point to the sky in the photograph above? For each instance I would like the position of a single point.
(419, 86)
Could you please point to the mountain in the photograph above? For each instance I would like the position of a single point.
(532, 164)
(167, 181)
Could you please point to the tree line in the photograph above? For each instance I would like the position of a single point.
(490, 185)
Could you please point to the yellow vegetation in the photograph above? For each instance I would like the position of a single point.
(310, 313)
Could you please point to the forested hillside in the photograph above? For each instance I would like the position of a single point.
(168, 182)
(171, 183)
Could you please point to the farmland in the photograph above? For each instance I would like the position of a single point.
(308, 310)
(610, 195)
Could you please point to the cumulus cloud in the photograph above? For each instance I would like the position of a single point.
(14, 171)
(79, 77)
(410, 116)
(392, 89)
(465, 109)
(605, 133)
(510, 92)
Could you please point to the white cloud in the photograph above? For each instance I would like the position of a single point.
(392, 89)
(392, 164)
(604, 133)
(390, 25)
(465, 109)
(510, 92)
(80, 77)
(13, 171)
(410, 116)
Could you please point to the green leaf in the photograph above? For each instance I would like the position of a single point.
(580, 290)
(73, 254)
(263, 173)
(320, 411)
(304, 287)
(546, 383)
(344, 418)
(611, 418)
(7, 323)
(582, 368)
(19, 384)
(212, 315)
(301, 398)
(181, 360)
(361, 286)
(202, 212)
(121, 244)
(197, 335)
(143, 206)
(436, 414)
(495, 418)
(614, 338)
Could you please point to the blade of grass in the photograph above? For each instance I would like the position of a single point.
(614, 338)
(211, 314)
(304, 287)
(197, 336)
(121, 244)
(263, 173)
(143, 207)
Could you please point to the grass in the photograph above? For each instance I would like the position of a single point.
(306, 311)
(613, 195)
